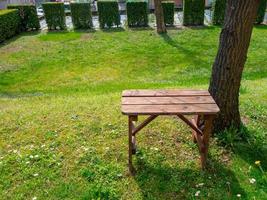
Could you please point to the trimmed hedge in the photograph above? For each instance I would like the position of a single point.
(81, 15)
(54, 15)
(9, 23)
(28, 16)
(137, 13)
(218, 8)
(108, 13)
(168, 11)
(193, 12)
(261, 11)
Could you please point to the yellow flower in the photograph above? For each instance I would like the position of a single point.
(258, 162)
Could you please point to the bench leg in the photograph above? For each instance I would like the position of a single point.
(196, 118)
(131, 139)
(205, 139)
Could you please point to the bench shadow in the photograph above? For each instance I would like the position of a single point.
(158, 181)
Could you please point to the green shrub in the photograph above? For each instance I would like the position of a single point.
(137, 14)
(108, 12)
(193, 12)
(54, 15)
(9, 23)
(28, 16)
(218, 8)
(168, 11)
(261, 11)
(81, 15)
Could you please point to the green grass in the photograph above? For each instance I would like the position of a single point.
(62, 135)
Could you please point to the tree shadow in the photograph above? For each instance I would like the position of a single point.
(247, 145)
(159, 181)
(189, 54)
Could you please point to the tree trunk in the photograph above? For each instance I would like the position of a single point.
(161, 28)
(230, 60)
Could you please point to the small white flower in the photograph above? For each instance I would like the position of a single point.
(238, 195)
(31, 156)
(252, 180)
(197, 193)
(34, 198)
(200, 185)
(36, 174)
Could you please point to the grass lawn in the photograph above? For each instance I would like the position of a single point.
(62, 135)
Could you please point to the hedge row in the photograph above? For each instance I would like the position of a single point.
(193, 12)
(168, 11)
(54, 15)
(261, 12)
(81, 15)
(108, 13)
(137, 13)
(218, 8)
(28, 16)
(9, 23)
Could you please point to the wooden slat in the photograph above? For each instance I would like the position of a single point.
(167, 100)
(147, 93)
(170, 109)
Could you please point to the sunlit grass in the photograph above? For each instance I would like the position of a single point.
(62, 135)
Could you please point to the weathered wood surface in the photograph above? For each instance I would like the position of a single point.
(167, 102)
(170, 102)
(166, 93)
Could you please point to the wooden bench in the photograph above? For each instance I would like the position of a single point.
(179, 103)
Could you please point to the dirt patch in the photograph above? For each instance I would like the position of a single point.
(11, 49)
(245, 120)
(86, 37)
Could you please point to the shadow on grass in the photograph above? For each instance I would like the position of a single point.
(144, 28)
(246, 144)
(113, 29)
(91, 30)
(261, 26)
(158, 181)
(189, 54)
(16, 37)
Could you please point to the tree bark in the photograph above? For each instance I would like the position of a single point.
(230, 60)
(161, 28)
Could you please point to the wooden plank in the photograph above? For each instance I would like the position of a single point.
(167, 100)
(169, 109)
(148, 93)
